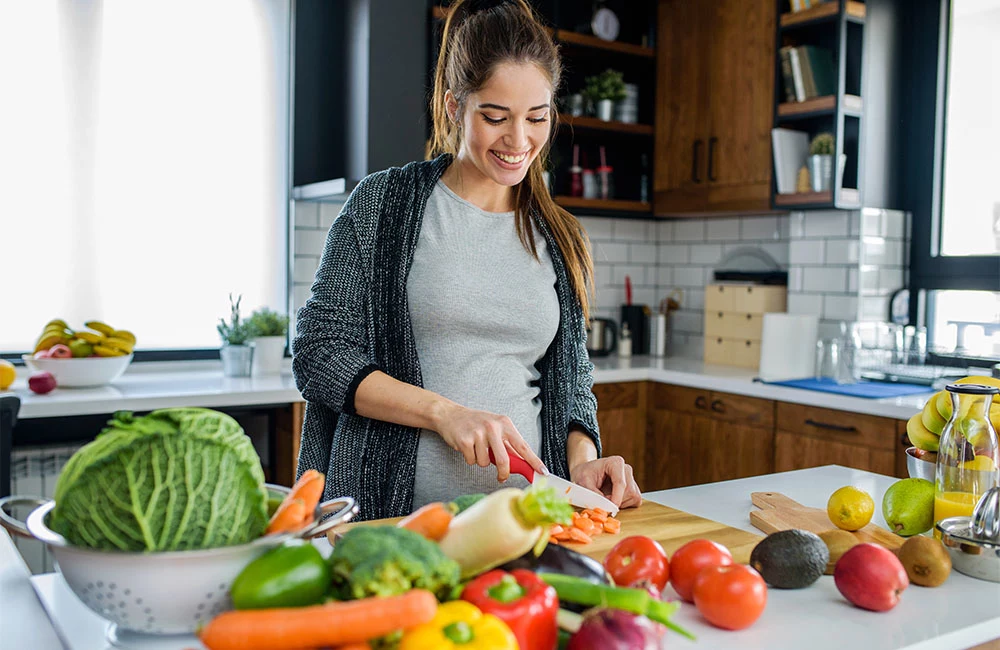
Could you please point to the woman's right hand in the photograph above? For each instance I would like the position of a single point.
(474, 433)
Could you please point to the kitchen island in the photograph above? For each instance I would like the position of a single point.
(962, 613)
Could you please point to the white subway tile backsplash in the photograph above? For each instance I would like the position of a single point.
(874, 308)
(309, 242)
(855, 220)
(675, 254)
(759, 228)
(827, 223)
(706, 253)
(695, 347)
(797, 225)
(709, 275)
(852, 280)
(690, 322)
(689, 276)
(841, 251)
(874, 250)
(895, 224)
(630, 230)
(328, 213)
(304, 269)
(609, 298)
(636, 273)
(665, 231)
(872, 223)
(598, 228)
(642, 253)
(825, 279)
(795, 278)
(602, 275)
(868, 278)
(890, 279)
(306, 214)
(610, 252)
(779, 252)
(723, 230)
(805, 303)
(840, 308)
(806, 252)
(646, 296)
(689, 230)
(693, 299)
(300, 293)
(664, 276)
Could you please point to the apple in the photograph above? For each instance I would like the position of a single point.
(42, 382)
(60, 351)
(871, 577)
(42, 354)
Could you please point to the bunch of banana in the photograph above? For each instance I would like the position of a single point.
(924, 428)
(106, 340)
(55, 331)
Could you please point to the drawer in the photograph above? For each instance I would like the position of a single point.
(617, 395)
(757, 299)
(751, 411)
(743, 353)
(734, 325)
(841, 426)
(719, 297)
(681, 398)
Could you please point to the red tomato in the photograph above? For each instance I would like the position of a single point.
(691, 558)
(731, 597)
(638, 559)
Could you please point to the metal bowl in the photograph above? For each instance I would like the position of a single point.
(970, 554)
(919, 467)
(170, 592)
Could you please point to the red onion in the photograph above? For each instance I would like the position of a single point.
(614, 629)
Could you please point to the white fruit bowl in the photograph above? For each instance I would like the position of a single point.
(80, 373)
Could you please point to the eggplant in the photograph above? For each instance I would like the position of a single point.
(559, 559)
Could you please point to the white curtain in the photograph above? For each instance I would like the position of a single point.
(143, 165)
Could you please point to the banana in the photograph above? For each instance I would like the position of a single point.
(47, 341)
(57, 322)
(124, 334)
(118, 344)
(105, 351)
(91, 337)
(98, 326)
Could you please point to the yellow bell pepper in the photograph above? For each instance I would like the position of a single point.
(459, 625)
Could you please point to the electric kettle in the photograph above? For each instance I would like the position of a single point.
(602, 333)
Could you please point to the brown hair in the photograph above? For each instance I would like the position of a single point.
(474, 42)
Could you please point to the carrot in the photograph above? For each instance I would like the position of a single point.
(309, 488)
(354, 646)
(585, 525)
(553, 539)
(612, 526)
(556, 529)
(599, 517)
(577, 535)
(431, 521)
(601, 511)
(290, 515)
(331, 624)
(563, 536)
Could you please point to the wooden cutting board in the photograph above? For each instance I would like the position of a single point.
(672, 528)
(778, 512)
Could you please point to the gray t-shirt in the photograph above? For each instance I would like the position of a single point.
(484, 312)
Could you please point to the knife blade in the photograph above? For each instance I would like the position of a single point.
(577, 495)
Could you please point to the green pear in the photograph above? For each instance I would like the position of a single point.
(908, 506)
(920, 436)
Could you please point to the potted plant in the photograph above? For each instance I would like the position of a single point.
(603, 90)
(267, 331)
(236, 355)
(821, 162)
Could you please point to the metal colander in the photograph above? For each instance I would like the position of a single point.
(173, 592)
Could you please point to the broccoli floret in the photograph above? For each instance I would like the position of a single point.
(466, 501)
(386, 560)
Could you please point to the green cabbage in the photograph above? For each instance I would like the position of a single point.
(176, 479)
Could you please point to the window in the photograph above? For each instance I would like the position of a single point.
(144, 167)
(955, 260)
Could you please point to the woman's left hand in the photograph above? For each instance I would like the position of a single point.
(610, 476)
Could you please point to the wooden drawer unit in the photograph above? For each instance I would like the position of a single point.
(751, 298)
(734, 321)
(718, 406)
(744, 353)
(734, 325)
(839, 426)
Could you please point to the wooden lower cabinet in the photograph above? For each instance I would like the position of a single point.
(796, 451)
(621, 415)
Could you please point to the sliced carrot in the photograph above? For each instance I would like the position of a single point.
(553, 539)
(586, 526)
(564, 536)
(577, 535)
(290, 515)
(612, 526)
(330, 624)
(556, 529)
(601, 511)
(599, 517)
(354, 646)
(431, 521)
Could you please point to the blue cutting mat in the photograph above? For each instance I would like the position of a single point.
(869, 389)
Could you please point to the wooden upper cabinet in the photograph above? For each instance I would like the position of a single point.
(715, 88)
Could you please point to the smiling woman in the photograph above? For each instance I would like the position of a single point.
(121, 153)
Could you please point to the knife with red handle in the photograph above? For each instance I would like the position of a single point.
(628, 290)
(578, 495)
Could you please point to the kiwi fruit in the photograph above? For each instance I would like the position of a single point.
(926, 561)
(838, 542)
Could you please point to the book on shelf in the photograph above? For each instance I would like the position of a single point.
(807, 71)
(790, 149)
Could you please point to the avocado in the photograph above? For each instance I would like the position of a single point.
(790, 559)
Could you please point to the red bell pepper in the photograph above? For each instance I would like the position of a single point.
(523, 601)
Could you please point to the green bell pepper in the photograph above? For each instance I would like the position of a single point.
(292, 575)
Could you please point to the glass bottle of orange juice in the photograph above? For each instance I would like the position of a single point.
(968, 452)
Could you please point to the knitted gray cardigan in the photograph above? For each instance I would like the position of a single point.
(357, 321)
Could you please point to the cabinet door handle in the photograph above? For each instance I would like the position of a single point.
(695, 149)
(905, 440)
(832, 427)
(718, 406)
(711, 158)
(701, 402)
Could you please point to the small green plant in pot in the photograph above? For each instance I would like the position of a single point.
(268, 329)
(603, 90)
(236, 354)
(821, 162)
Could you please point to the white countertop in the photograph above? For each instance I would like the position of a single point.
(149, 386)
(961, 613)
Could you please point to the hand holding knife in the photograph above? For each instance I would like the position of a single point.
(578, 495)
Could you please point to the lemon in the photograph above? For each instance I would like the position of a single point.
(981, 463)
(7, 374)
(850, 508)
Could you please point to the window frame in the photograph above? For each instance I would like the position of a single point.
(923, 168)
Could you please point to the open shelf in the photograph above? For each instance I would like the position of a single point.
(819, 106)
(603, 204)
(827, 10)
(583, 122)
(849, 198)
(584, 40)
